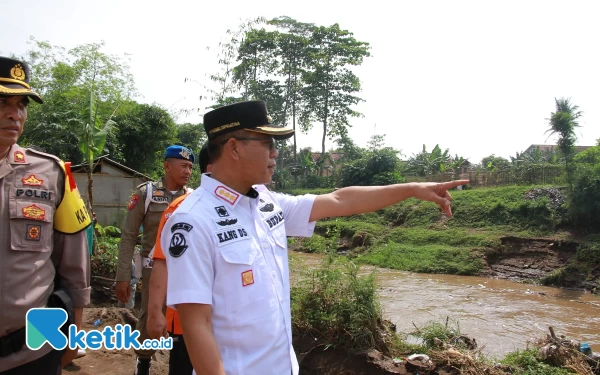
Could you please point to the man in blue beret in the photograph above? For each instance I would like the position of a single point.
(145, 207)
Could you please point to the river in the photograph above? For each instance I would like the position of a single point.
(501, 315)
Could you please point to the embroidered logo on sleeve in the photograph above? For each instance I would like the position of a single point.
(133, 201)
(19, 157)
(275, 220)
(222, 211)
(34, 212)
(32, 180)
(33, 232)
(178, 245)
(231, 235)
(226, 194)
(247, 278)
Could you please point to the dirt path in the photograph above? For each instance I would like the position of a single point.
(112, 362)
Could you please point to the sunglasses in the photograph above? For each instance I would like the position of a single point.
(271, 141)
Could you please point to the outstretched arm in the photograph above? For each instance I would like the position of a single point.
(355, 200)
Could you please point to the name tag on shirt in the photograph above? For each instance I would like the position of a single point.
(275, 220)
(231, 235)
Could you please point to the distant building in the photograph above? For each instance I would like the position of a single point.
(113, 184)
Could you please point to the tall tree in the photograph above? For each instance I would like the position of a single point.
(65, 80)
(563, 122)
(144, 132)
(330, 86)
(292, 45)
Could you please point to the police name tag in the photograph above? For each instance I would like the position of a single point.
(231, 235)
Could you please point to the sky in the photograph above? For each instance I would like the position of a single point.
(476, 77)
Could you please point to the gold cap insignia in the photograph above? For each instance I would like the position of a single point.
(17, 72)
(185, 153)
(269, 118)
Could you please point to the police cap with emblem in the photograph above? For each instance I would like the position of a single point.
(250, 115)
(179, 152)
(14, 79)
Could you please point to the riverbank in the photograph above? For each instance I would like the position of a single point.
(517, 233)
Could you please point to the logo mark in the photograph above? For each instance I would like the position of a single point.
(17, 72)
(33, 232)
(178, 245)
(43, 326)
(226, 222)
(19, 157)
(247, 278)
(34, 212)
(267, 207)
(32, 180)
(222, 211)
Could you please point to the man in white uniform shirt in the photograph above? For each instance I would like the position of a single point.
(227, 245)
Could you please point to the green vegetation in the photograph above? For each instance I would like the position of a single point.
(582, 268)
(106, 251)
(415, 236)
(333, 305)
(528, 362)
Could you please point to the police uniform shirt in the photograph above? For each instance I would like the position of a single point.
(230, 251)
(32, 185)
(160, 198)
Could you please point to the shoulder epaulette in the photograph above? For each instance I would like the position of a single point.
(45, 155)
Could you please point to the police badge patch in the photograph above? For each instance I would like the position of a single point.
(33, 232)
(133, 202)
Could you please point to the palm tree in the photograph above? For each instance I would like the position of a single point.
(563, 122)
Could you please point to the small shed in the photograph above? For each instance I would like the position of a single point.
(113, 185)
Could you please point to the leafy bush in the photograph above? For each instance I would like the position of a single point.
(585, 198)
(334, 304)
(527, 362)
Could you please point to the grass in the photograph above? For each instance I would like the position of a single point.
(334, 304)
(528, 362)
(415, 236)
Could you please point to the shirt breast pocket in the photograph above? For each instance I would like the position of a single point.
(31, 226)
(247, 285)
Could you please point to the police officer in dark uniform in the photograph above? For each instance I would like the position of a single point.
(145, 207)
(44, 258)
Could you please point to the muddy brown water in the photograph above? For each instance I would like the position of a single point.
(501, 315)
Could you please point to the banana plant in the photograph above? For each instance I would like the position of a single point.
(92, 140)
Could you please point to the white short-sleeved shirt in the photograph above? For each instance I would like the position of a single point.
(230, 251)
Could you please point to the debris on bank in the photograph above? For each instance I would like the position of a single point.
(453, 356)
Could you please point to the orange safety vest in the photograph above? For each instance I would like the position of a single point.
(173, 323)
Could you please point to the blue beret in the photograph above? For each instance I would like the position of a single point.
(179, 152)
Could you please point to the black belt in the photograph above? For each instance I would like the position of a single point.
(12, 343)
